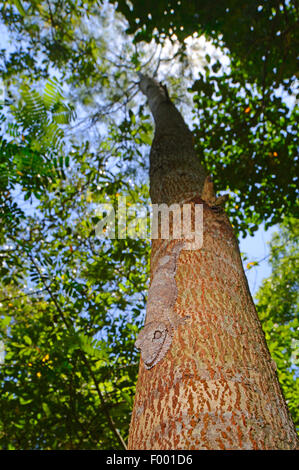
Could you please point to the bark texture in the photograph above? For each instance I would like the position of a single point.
(175, 170)
(215, 385)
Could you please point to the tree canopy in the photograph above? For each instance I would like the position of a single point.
(245, 131)
(261, 37)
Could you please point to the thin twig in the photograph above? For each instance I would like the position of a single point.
(7, 299)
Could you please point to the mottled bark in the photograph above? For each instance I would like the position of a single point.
(172, 153)
(214, 385)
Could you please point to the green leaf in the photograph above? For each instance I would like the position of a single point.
(46, 409)
(25, 401)
(27, 340)
(19, 6)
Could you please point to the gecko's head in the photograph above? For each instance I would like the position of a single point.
(153, 341)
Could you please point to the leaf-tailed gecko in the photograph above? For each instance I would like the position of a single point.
(155, 338)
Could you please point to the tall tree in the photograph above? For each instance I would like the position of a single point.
(206, 378)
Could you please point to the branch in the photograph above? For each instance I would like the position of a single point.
(7, 299)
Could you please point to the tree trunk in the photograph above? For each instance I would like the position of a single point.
(206, 378)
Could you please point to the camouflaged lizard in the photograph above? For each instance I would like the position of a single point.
(155, 338)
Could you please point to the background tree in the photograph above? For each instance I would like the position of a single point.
(277, 307)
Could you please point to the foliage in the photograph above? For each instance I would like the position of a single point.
(255, 33)
(278, 310)
(31, 147)
(247, 137)
(43, 115)
(71, 304)
(70, 310)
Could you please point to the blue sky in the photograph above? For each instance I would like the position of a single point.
(257, 248)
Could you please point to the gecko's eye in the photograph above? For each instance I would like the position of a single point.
(157, 334)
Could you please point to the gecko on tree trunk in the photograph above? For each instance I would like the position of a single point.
(155, 338)
(172, 152)
(206, 379)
